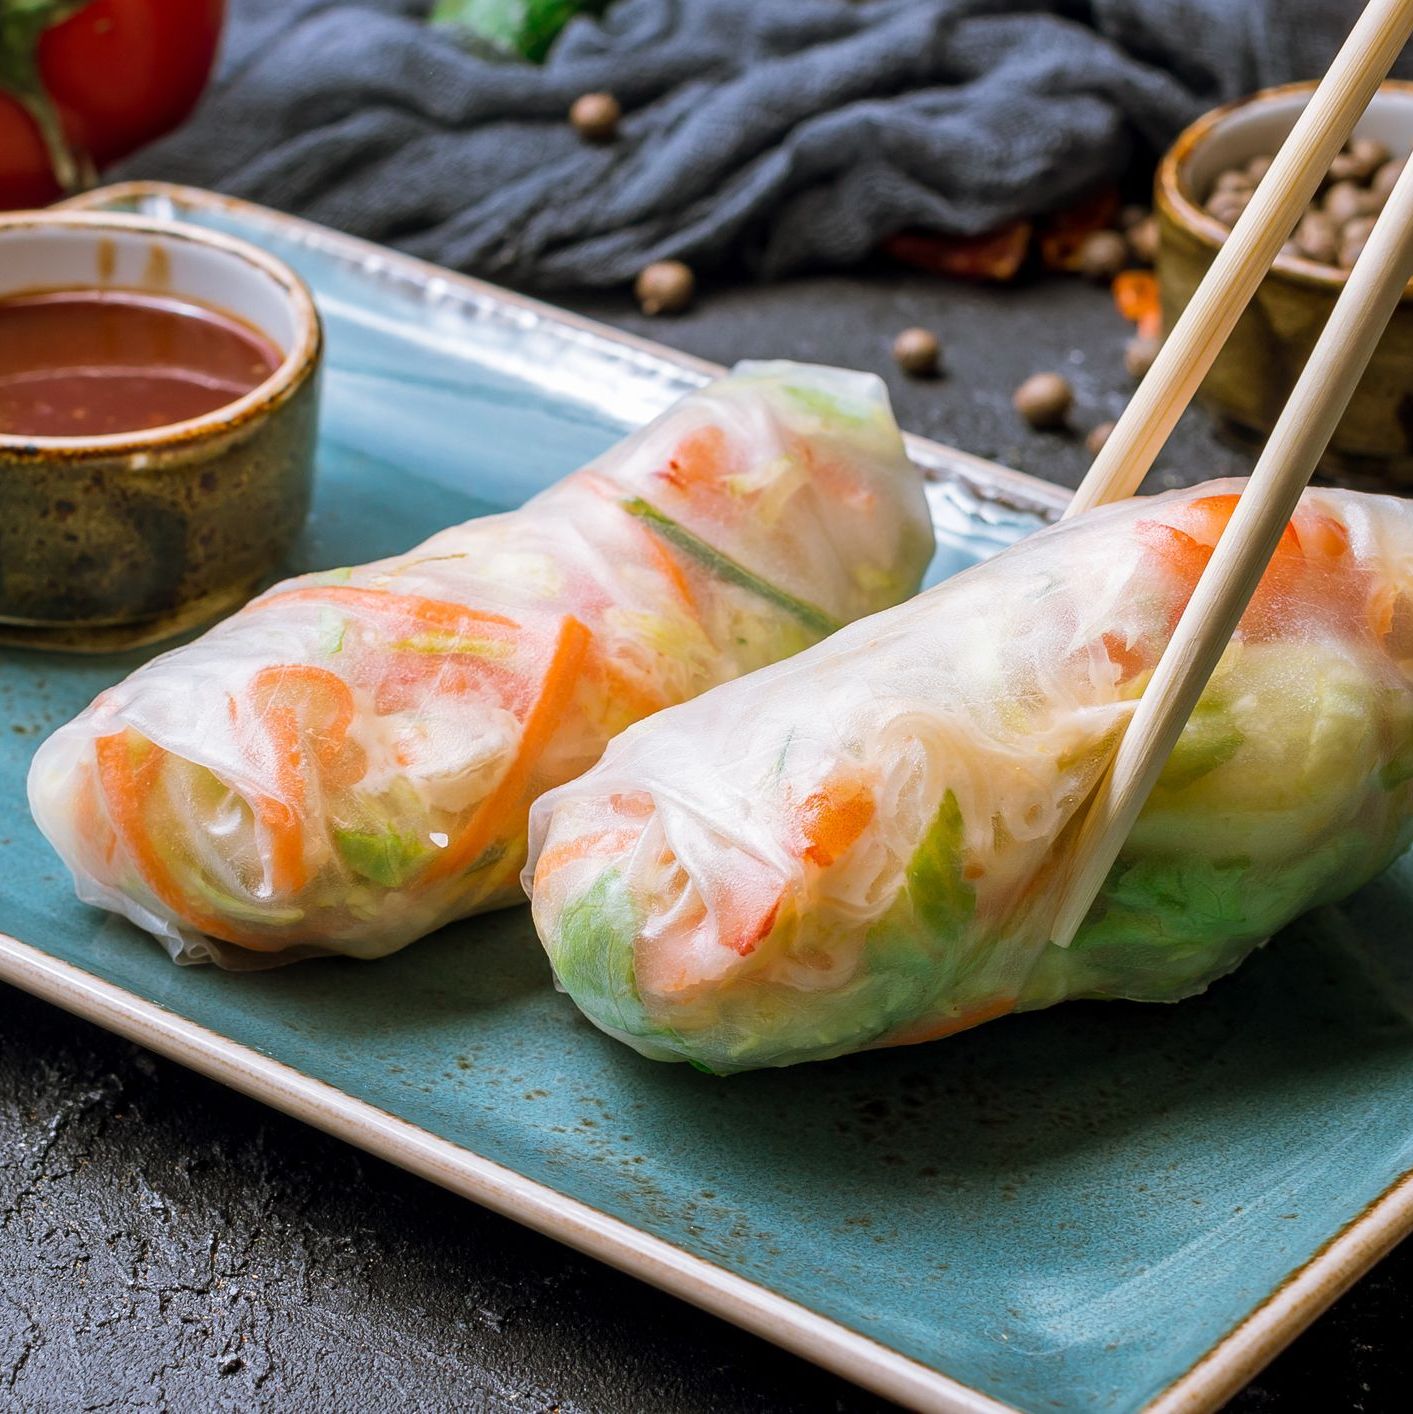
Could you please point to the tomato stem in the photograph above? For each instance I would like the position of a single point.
(22, 24)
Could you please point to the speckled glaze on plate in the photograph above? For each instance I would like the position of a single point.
(1098, 1207)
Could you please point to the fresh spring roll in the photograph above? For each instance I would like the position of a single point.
(349, 762)
(865, 846)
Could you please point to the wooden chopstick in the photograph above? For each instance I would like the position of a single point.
(1280, 198)
(1321, 395)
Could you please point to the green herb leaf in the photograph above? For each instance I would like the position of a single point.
(510, 29)
(942, 897)
(383, 857)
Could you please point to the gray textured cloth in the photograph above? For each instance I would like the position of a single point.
(790, 133)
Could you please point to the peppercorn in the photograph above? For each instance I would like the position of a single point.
(1345, 200)
(595, 116)
(1342, 169)
(1139, 354)
(1317, 237)
(1143, 240)
(1385, 178)
(1094, 443)
(1102, 254)
(1359, 228)
(665, 287)
(1227, 206)
(1366, 155)
(1044, 400)
(1233, 179)
(917, 352)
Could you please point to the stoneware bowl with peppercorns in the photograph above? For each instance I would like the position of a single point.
(1203, 184)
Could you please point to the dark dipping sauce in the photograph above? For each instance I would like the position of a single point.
(87, 363)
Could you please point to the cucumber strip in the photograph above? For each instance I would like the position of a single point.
(242, 912)
(724, 567)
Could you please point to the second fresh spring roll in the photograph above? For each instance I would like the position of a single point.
(865, 846)
(349, 762)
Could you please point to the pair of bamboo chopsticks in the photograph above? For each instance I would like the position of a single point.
(1299, 439)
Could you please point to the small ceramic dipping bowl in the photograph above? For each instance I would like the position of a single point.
(1253, 375)
(111, 540)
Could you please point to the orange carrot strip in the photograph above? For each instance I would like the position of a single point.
(701, 458)
(1129, 660)
(560, 680)
(440, 613)
(667, 562)
(281, 814)
(125, 790)
(1136, 295)
(324, 697)
(605, 842)
(832, 818)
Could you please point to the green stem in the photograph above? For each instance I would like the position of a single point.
(22, 24)
(724, 567)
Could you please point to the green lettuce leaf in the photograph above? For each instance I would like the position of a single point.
(383, 857)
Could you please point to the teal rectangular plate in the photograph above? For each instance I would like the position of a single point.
(1100, 1207)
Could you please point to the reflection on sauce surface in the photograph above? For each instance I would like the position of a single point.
(84, 363)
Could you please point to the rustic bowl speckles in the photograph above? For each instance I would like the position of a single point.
(1255, 371)
(112, 541)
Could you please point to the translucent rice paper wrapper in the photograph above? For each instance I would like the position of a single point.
(348, 762)
(865, 846)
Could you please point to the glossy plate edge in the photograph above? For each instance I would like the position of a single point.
(724, 1294)
(1231, 1362)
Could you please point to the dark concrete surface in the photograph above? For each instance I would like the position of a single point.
(166, 1244)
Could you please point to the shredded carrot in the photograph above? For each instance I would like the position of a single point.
(438, 613)
(635, 804)
(700, 460)
(301, 709)
(668, 563)
(836, 480)
(556, 691)
(91, 825)
(282, 814)
(1310, 564)
(653, 546)
(323, 700)
(832, 818)
(1136, 298)
(127, 779)
(1126, 658)
(746, 936)
(604, 842)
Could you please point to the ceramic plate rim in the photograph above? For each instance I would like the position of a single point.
(1228, 1364)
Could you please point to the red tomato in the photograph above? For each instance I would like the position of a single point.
(119, 73)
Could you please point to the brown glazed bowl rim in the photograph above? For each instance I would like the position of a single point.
(293, 370)
(1174, 202)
